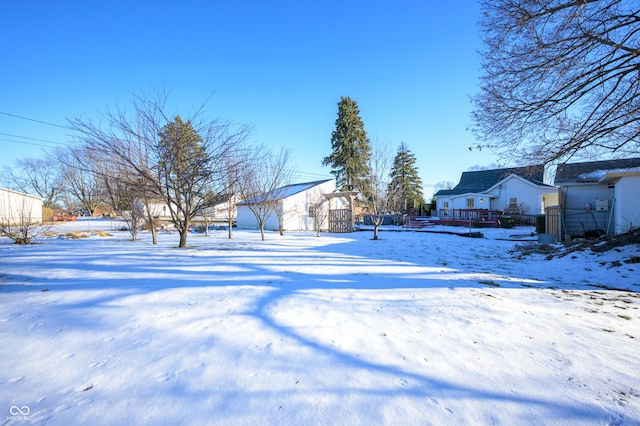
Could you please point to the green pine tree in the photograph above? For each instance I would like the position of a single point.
(182, 172)
(350, 146)
(405, 185)
(181, 153)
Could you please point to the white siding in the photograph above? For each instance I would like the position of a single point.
(440, 203)
(462, 201)
(578, 217)
(17, 208)
(295, 208)
(535, 197)
(528, 194)
(627, 203)
(245, 218)
(295, 213)
(159, 209)
(221, 212)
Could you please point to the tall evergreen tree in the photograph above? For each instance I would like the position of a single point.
(182, 172)
(405, 185)
(351, 149)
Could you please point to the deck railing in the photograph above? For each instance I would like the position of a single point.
(482, 217)
(473, 215)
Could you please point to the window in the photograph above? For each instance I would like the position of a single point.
(513, 203)
(312, 211)
(446, 208)
(470, 203)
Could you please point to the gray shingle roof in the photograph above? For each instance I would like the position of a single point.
(571, 172)
(481, 180)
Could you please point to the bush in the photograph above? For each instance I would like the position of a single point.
(47, 214)
(507, 222)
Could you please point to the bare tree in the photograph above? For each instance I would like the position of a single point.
(560, 79)
(79, 181)
(134, 216)
(318, 210)
(35, 176)
(443, 184)
(282, 212)
(380, 192)
(235, 164)
(262, 182)
(181, 162)
(130, 193)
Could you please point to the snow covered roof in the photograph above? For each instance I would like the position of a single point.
(593, 171)
(284, 192)
(604, 175)
(21, 194)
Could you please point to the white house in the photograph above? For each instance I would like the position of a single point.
(297, 205)
(518, 189)
(223, 207)
(592, 198)
(599, 197)
(17, 208)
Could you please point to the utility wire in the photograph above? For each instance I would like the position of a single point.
(297, 172)
(26, 143)
(31, 139)
(35, 121)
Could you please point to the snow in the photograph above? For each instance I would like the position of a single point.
(416, 328)
(286, 191)
(599, 175)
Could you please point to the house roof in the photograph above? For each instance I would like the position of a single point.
(481, 180)
(284, 192)
(22, 194)
(592, 171)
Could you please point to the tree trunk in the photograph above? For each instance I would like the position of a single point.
(375, 232)
(183, 238)
(154, 238)
(262, 231)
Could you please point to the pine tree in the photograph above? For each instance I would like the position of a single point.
(181, 153)
(406, 185)
(182, 172)
(350, 146)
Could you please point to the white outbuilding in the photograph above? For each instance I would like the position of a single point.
(300, 207)
(17, 208)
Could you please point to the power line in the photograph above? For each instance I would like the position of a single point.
(31, 139)
(310, 175)
(35, 121)
(297, 172)
(25, 143)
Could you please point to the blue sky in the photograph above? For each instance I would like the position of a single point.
(279, 66)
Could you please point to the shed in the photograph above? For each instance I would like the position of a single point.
(298, 205)
(17, 208)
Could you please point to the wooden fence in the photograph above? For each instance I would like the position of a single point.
(340, 220)
(553, 222)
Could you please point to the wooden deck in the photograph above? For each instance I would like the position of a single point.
(474, 218)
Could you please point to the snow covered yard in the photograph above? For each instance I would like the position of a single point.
(417, 328)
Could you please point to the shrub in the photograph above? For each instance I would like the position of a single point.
(507, 222)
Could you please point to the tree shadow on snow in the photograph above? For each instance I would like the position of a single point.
(116, 269)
